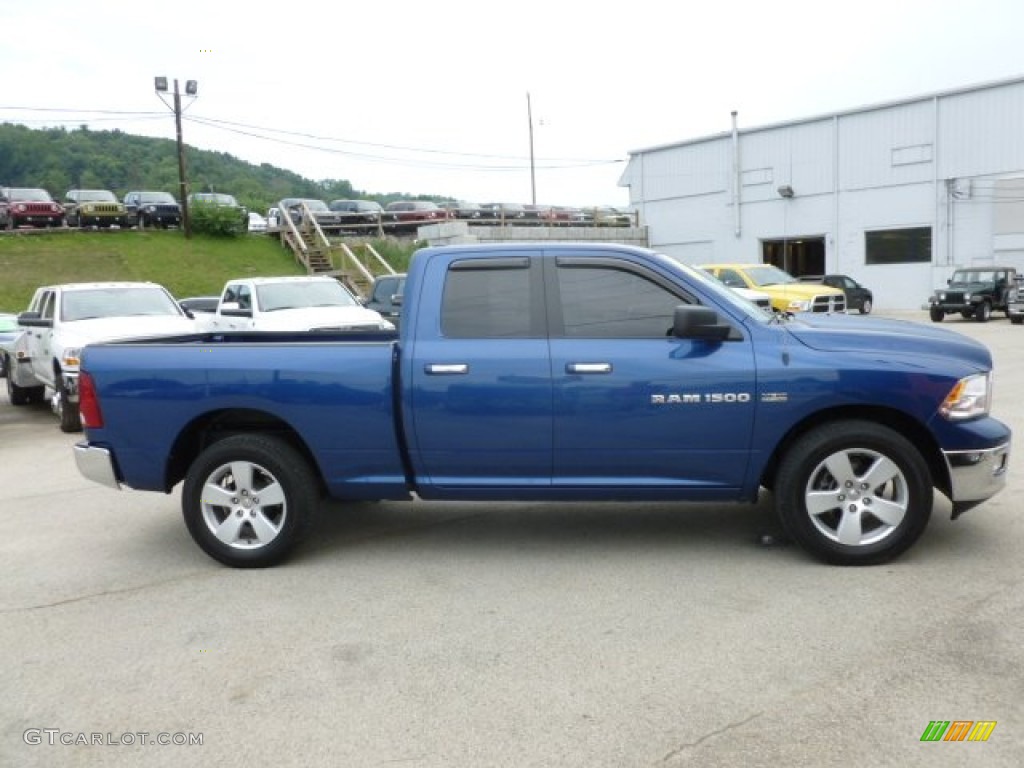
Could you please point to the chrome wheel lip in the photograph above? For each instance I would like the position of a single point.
(852, 487)
(243, 505)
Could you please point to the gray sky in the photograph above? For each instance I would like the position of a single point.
(430, 98)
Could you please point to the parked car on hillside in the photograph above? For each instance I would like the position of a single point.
(295, 208)
(29, 206)
(408, 214)
(504, 212)
(257, 223)
(857, 296)
(153, 209)
(95, 208)
(363, 214)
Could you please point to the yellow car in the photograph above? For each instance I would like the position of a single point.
(787, 293)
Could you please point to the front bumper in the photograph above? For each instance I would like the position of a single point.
(976, 475)
(96, 464)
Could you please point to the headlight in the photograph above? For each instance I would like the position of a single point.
(967, 298)
(71, 357)
(799, 306)
(387, 325)
(970, 397)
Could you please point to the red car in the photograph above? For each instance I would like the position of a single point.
(34, 207)
(406, 214)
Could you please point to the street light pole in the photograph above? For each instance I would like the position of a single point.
(190, 89)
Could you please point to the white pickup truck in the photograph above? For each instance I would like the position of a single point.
(62, 319)
(297, 303)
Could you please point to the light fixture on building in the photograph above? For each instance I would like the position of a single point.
(160, 83)
(785, 191)
(191, 87)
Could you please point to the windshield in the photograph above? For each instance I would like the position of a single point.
(295, 295)
(30, 195)
(95, 196)
(156, 197)
(975, 276)
(114, 301)
(768, 275)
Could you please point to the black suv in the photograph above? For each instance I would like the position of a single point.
(973, 292)
(153, 209)
(857, 296)
(362, 214)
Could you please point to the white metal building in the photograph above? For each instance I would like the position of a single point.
(895, 195)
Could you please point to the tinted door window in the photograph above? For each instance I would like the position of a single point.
(612, 303)
(487, 302)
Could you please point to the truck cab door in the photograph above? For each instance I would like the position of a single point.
(39, 338)
(636, 407)
(477, 379)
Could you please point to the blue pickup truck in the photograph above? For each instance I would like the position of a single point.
(543, 372)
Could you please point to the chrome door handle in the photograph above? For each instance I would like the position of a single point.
(588, 368)
(446, 369)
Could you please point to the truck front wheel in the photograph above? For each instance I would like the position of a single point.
(21, 395)
(983, 312)
(248, 499)
(936, 314)
(854, 493)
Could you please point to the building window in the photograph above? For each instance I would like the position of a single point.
(898, 246)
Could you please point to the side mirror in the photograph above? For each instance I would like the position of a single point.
(693, 322)
(33, 320)
(233, 309)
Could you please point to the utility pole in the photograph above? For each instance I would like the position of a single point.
(186, 220)
(533, 175)
(190, 90)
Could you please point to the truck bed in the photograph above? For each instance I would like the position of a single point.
(324, 387)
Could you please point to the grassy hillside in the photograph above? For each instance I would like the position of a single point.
(199, 266)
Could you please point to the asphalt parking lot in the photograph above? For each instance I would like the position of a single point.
(438, 635)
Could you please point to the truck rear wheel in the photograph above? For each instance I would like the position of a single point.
(854, 493)
(248, 500)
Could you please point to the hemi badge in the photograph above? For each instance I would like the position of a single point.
(774, 397)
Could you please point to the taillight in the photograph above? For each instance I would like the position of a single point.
(88, 403)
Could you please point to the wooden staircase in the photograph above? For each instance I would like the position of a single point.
(356, 266)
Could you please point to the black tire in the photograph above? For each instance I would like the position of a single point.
(260, 534)
(936, 315)
(1017, 319)
(21, 395)
(865, 307)
(983, 312)
(878, 523)
(70, 419)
